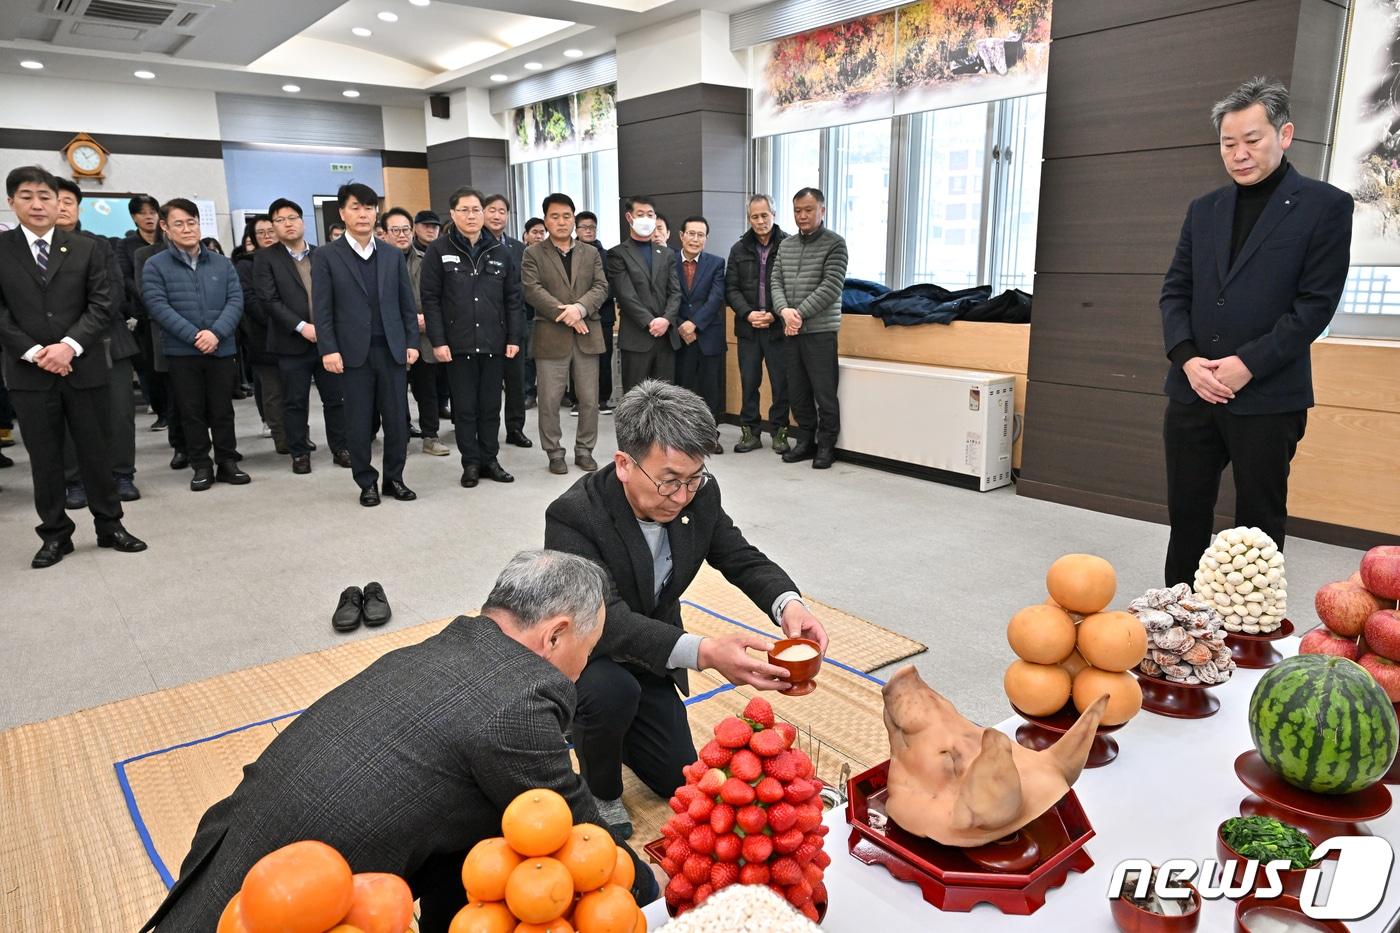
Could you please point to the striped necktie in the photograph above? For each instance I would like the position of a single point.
(41, 257)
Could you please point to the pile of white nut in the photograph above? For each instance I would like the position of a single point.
(743, 908)
(1242, 574)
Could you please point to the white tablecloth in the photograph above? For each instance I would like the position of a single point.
(1165, 795)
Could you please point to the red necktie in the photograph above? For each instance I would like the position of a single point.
(689, 274)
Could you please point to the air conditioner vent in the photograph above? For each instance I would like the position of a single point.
(130, 11)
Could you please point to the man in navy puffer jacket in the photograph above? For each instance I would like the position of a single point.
(195, 298)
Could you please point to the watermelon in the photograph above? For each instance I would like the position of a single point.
(1323, 724)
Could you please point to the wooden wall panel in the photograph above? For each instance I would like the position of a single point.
(407, 188)
(1345, 469)
(1076, 17)
(1362, 374)
(1102, 331)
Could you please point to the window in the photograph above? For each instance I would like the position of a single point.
(795, 164)
(590, 179)
(860, 212)
(1016, 204)
(1370, 305)
(936, 141)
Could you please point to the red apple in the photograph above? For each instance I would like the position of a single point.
(1380, 571)
(1386, 672)
(1344, 607)
(1355, 579)
(1383, 633)
(1323, 640)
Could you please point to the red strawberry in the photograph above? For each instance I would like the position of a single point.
(746, 766)
(700, 809)
(809, 816)
(668, 830)
(805, 853)
(723, 874)
(760, 711)
(753, 873)
(697, 869)
(702, 892)
(813, 874)
(711, 782)
(784, 843)
(751, 819)
(767, 743)
(813, 839)
(782, 817)
(804, 764)
(736, 792)
(669, 867)
(679, 889)
(822, 859)
(683, 823)
(677, 804)
(678, 851)
(682, 908)
(789, 732)
(702, 840)
(687, 793)
(694, 771)
(819, 893)
(807, 910)
(822, 830)
(799, 790)
(728, 848)
(799, 893)
(733, 732)
(722, 818)
(783, 767)
(714, 755)
(757, 848)
(769, 790)
(785, 871)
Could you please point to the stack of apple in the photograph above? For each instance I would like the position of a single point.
(750, 812)
(1361, 619)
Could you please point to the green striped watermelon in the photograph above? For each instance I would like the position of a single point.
(1322, 723)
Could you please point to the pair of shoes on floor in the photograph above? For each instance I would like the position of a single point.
(519, 439)
(435, 447)
(120, 540)
(369, 495)
(227, 472)
(160, 424)
(368, 607)
(491, 469)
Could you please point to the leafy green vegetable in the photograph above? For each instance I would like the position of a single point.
(1265, 839)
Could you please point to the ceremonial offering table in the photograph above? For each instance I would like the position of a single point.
(1163, 798)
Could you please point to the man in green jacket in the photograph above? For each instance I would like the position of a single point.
(808, 276)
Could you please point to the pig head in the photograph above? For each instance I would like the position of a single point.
(962, 785)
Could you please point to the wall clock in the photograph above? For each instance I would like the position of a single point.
(86, 157)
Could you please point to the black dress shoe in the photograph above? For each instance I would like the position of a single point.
(342, 458)
(74, 496)
(178, 460)
(823, 458)
(375, 607)
(519, 439)
(231, 474)
(369, 496)
(349, 612)
(5, 462)
(495, 471)
(802, 450)
(160, 424)
(126, 488)
(311, 445)
(301, 464)
(203, 479)
(471, 473)
(399, 491)
(51, 553)
(122, 540)
(283, 449)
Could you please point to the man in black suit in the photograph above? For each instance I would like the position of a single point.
(367, 330)
(648, 289)
(497, 215)
(1256, 278)
(409, 764)
(651, 517)
(55, 308)
(282, 284)
(145, 215)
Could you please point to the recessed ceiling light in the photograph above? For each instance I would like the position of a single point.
(292, 88)
(362, 32)
(420, 2)
(533, 66)
(500, 77)
(388, 17)
(573, 53)
(351, 92)
(144, 75)
(31, 64)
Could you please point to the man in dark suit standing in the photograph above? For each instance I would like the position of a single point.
(644, 279)
(1256, 278)
(700, 360)
(406, 766)
(55, 307)
(367, 331)
(497, 215)
(651, 517)
(282, 283)
(748, 280)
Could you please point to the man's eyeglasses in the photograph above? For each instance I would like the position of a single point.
(182, 224)
(286, 219)
(400, 231)
(670, 487)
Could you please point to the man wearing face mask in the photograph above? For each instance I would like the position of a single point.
(647, 286)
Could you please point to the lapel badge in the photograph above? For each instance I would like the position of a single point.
(63, 249)
(685, 519)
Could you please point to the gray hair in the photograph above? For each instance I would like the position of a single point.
(538, 585)
(659, 414)
(764, 198)
(1257, 90)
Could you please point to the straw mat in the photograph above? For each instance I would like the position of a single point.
(98, 807)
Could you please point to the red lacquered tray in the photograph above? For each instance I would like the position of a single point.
(1319, 816)
(948, 878)
(1256, 652)
(1392, 777)
(1041, 732)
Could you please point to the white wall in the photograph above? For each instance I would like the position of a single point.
(37, 103)
(404, 129)
(679, 53)
(471, 115)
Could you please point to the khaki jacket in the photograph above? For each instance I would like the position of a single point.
(542, 277)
